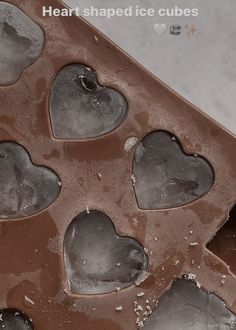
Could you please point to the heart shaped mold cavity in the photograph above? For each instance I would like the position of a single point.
(224, 243)
(81, 108)
(97, 260)
(12, 319)
(187, 307)
(25, 187)
(21, 42)
(165, 176)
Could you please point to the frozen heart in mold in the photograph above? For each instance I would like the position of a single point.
(25, 188)
(223, 243)
(81, 108)
(21, 42)
(12, 319)
(97, 260)
(167, 177)
(188, 307)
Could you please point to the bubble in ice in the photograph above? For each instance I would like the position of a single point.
(81, 108)
(187, 307)
(166, 176)
(25, 188)
(21, 42)
(12, 319)
(112, 261)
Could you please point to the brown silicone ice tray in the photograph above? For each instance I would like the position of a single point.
(113, 187)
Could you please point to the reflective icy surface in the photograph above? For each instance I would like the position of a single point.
(166, 176)
(25, 187)
(11, 319)
(187, 307)
(81, 108)
(97, 260)
(224, 242)
(21, 42)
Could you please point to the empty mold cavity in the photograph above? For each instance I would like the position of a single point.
(97, 260)
(21, 42)
(224, 243)
(12, 319)
(25, 187)
(81, 108)
(165, 176)
(187, 307)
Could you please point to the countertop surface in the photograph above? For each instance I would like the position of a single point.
(199, 63)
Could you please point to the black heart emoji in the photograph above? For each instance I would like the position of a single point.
(21, 42)
(81, 108)
(25, 188)
(12, 319)
(97, 260)
(165, 176)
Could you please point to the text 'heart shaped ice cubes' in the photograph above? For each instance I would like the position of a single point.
(81, 108)
(12, 319)
(187, 307)
(166, 176)
(25, 188)
(97, 260)
(21, 42)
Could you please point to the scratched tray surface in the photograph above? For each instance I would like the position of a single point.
(117, 196)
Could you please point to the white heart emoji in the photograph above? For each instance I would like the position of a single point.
(159, 28)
